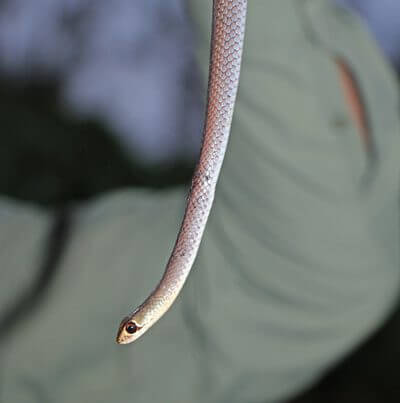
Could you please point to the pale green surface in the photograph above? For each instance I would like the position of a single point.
(299, 262)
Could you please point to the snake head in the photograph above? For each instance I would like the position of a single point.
(129, 330)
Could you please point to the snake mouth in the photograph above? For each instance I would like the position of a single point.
(123, 339)
(121, 336)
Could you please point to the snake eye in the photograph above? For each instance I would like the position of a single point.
(131, 327)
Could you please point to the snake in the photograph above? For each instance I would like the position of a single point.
(227, 38)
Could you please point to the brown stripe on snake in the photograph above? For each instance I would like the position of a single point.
(227, 37)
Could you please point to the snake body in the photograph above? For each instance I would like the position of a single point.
(227, 37)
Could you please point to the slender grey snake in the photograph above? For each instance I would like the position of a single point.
(228, 26)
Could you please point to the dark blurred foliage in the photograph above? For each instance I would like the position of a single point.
(368, 375)
(34, 130)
